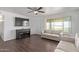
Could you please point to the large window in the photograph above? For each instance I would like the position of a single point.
(63, 24)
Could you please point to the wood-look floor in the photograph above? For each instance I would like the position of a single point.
(33, 44)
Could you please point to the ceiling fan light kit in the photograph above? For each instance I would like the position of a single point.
(35, 12)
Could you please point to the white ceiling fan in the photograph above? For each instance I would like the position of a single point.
(35, 10)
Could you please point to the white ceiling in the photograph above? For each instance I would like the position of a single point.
(48, 10)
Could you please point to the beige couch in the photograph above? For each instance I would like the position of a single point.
(50, 34)
(67, 44)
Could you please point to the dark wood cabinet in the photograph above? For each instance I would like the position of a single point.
(22, 33)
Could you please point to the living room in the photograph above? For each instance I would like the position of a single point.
(61, 21)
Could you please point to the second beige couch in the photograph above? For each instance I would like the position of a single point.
(52, 35)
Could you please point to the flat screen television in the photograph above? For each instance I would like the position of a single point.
(19, 21)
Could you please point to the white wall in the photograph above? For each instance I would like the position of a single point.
(9, 28)
(36, 24)
(74, 18)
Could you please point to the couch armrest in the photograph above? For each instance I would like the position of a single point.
(61, 34)
(42, 32)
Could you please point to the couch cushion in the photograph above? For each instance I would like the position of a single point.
(67, 46)
(51, 34)
(52, 31)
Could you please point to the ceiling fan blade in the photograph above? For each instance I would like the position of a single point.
(39, 8)
(29, 12)
(30, 8)
(41, 11)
